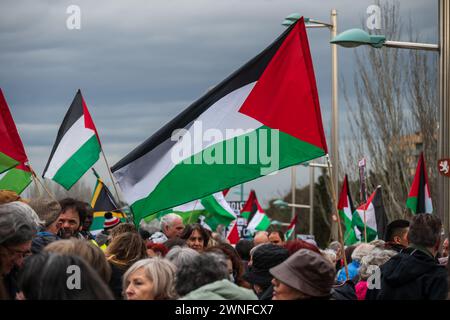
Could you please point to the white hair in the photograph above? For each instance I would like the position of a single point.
(329, 254)
(361, 251)
(376, 257)
(169, 219)
(181, 256)
(18, 222)
(158, 270)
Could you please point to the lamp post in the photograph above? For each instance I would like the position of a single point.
(356, 37)
(332, 26)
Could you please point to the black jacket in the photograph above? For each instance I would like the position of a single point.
(413, 275)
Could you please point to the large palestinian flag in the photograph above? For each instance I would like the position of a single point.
(376, 220)
(257, 220)
(346, 209)
(103, 201)
(214, 208)
(419, 198)
(264, 117)
(13, 158)
(77, 146)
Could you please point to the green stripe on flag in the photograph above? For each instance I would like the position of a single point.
(349, 235)
(77, 165)
(7, 162)
(214, 177)
(216, 214)
(359, 223)
(411, 203)
(15, 180)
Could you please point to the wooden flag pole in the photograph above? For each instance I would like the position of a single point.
(111, 176)
(42, 184)
(335, 209)
(36, 183)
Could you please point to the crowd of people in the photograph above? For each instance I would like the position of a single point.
(48, 252)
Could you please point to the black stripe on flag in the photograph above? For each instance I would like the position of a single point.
(380, 214)
(105, 200)
(421, 207)
(74, 113)
(247, 74)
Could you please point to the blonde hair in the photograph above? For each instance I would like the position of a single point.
(158, 270)
(361, 251)
(92, 254)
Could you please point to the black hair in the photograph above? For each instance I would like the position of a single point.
(243, 248)
(190, 228)
(46, 276)
(395, 229)
(79, 206)
(205, 268)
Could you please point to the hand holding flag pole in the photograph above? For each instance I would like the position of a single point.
(335, 209)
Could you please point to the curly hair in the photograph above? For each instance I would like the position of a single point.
(190, 228)
(376, 257)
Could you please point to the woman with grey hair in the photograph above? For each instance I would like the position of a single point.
(369, 264)
(150, 279)
(181, 256)
(206, 278)
(18, 224)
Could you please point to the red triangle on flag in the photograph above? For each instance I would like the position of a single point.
(233, 234)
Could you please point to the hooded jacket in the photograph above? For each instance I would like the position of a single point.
(411, 275)
(220, 290)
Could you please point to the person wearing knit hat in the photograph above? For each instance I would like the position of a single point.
(264, 257)
(48, 211)
(304, 275)
(110, 221)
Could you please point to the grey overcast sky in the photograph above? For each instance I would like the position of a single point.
(139, 63)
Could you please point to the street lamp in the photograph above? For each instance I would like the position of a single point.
(332, 26)
(356, 37)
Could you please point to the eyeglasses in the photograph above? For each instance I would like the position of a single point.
(19, 253)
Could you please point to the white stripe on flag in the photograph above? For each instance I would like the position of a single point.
(71, 142)
(220, 116)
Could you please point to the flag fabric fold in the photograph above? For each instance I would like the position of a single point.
(257, 220)
(291, 228)
(77, 146)
(346, 209)
(13, 159)
(264, 117)
(376, 219)
(103, 201)
(419, 198)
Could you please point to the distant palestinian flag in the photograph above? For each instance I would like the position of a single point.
(103, 201)
(264, 117)
(233, 234)
(13, 158)
(252, 211)
(419, 198)
(291, 229)
(346, 209)
(376, 219)
(77, 146)
(214, 208)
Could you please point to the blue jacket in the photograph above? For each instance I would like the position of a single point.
(353, 271)
(41, 240)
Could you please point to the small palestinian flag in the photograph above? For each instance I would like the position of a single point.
(13, 159)
(233, 234)
(102, 202)
(376, 220)
(291, 229)
(252, 211)
(214, 208)
(419, 198)
(263, 118)
(346, 209)
(77, 146)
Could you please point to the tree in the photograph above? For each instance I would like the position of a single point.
(394, 115)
